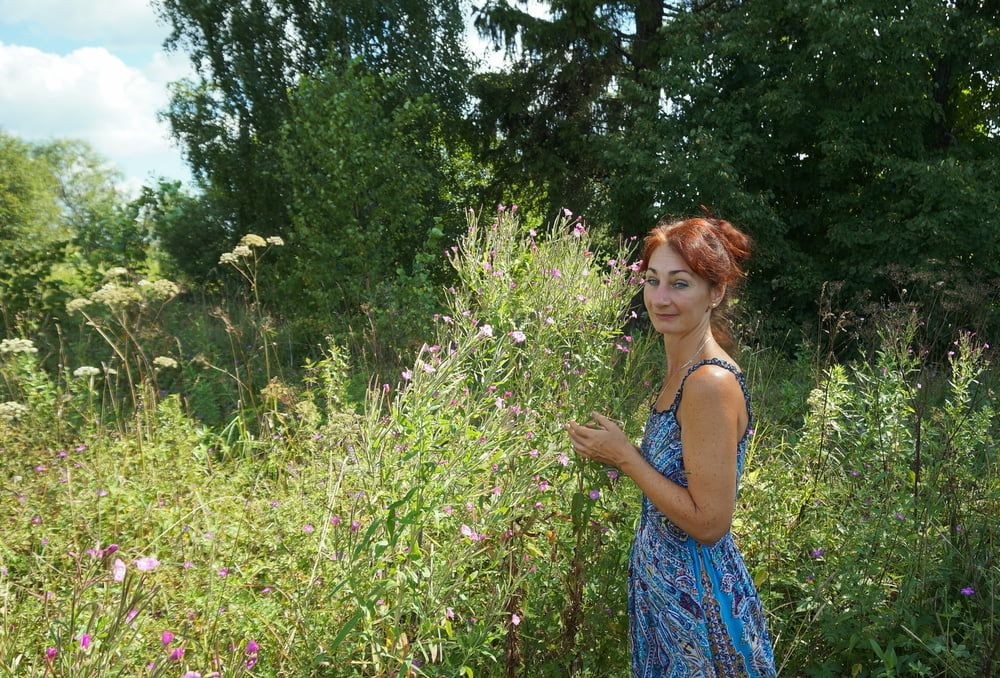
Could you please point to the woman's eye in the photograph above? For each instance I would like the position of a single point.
(652, 281)
(681, 283)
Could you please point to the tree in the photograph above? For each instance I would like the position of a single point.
(30, 234)
(545, 120)
(374, 189)
(250, 56)
(106, 229)
(846, 138)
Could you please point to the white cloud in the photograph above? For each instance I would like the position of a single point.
(109, 22)
(93, 95)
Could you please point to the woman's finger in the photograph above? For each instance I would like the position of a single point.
(604, 421)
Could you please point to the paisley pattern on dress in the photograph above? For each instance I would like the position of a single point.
(693, 609)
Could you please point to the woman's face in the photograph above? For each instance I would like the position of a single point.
(677, 299)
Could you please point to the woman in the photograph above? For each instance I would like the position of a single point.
(693, 608)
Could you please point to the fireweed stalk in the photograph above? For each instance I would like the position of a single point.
(471, 437)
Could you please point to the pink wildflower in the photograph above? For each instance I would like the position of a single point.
(118, 570)
(147, 564)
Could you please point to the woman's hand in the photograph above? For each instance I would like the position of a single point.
(605, 443)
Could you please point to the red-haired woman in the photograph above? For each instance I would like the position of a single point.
(693, 608)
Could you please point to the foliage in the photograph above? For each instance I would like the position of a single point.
(878, 562)
(446, 528)
(192, 229)
(30, 243)
(105, 228)
(249, 57)
(765, 112)
(367, 167)
(771, 118)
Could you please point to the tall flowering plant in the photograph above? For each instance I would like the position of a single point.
(499, 538)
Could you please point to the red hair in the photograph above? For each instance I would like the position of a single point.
(714, 249)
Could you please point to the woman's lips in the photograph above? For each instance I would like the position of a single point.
(665, 316)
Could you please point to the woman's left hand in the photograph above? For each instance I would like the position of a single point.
(605, 443)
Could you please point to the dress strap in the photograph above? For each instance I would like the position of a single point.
(726, 365)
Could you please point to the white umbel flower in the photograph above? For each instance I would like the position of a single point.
(11, 411)
(253, 240)
(17, 346)
(164, 361)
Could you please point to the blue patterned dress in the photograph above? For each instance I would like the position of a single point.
(693, 609)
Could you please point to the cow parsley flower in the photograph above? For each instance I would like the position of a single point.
(253, 240)
(163, 289)
(17, 346)
(11, 411)
(77, 305)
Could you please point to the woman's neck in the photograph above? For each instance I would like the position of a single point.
(686, 351)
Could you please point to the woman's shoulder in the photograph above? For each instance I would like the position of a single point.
(712, 381)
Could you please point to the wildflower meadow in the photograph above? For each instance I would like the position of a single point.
(434, 520)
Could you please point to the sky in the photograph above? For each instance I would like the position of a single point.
(96, 70)
(92, 70)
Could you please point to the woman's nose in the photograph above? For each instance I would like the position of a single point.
(659, 295)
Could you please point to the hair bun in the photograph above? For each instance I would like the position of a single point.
(737, 243)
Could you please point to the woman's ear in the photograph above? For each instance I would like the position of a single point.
(718, 294)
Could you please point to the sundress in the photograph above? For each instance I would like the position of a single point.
(693, 609)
